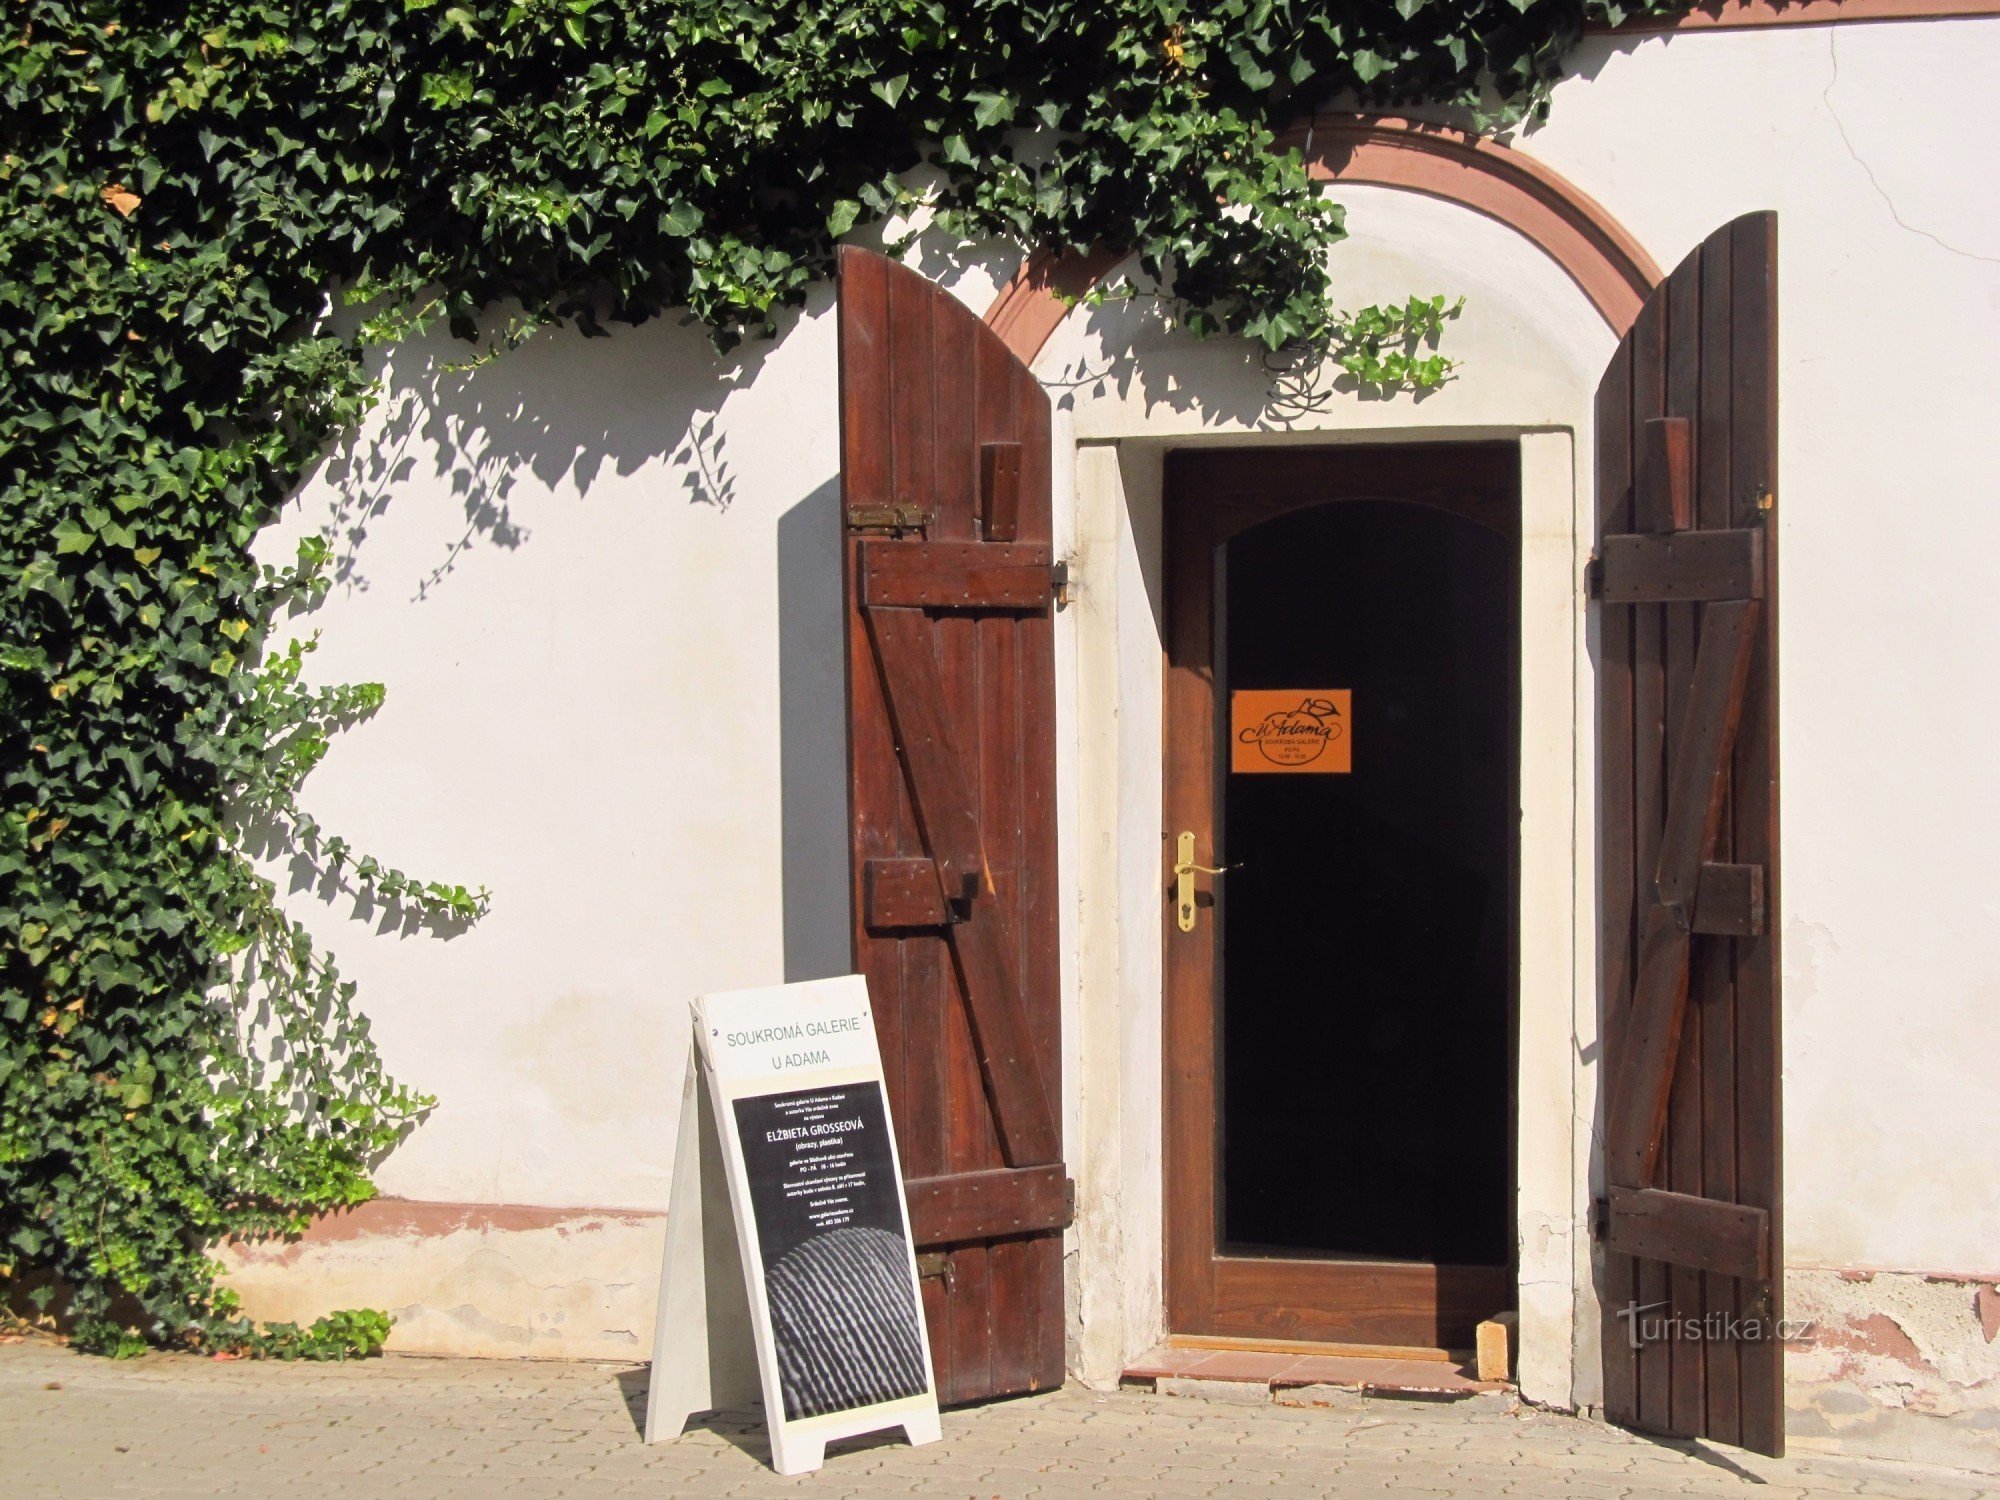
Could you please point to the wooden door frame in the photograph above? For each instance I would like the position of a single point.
(1209, 495)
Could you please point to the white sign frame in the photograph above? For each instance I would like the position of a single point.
(780, 1040)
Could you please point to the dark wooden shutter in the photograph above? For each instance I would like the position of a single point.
(951, 746)
(1685, 578)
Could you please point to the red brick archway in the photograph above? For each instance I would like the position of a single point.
(1609, 266)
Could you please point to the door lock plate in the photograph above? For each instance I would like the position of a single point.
(1185, 870)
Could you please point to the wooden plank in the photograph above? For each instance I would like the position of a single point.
(1192, 960)
(1424, 1352)
(1665, 496)
(899, 893)
(1000, 491)
(982, 1205)
(1476, 484)
(1684, 567)
(1617, 870)
(972, 1140)
(911, 395)
(925, 982)
(1683, 1229)
(1049, 1355)
(865, 447)
(1713, 978)
(1013, 1294)
(1681, 1169)
(1037, 896)
(956, 575)
(914, 694)
(986, 969)
(881, 822)
(1642, 1074)
(1729, 900)
(1681, 1145)
(969, 1321)
(1653, 1362)
(1364, 1302)
(999, 783)
(1759, 1154)
(1701, 758)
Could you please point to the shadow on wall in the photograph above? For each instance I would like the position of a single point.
(812, 728)
(626, 398)
(473, 436)
(1137, 349)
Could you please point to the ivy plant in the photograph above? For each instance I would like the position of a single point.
(189, 190)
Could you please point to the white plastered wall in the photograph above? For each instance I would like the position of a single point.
(615, 699)
(1870, 142)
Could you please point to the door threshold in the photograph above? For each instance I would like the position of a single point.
(1234, 1368)
(1310, 1346)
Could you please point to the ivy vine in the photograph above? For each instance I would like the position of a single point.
(190, 187)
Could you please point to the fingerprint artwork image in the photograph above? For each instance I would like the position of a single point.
(844, 1322)
(840, 1280)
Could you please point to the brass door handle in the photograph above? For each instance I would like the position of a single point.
(1185, 870)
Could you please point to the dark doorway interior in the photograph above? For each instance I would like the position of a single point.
(1367, 1025)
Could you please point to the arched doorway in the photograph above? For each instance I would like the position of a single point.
(1610, 266)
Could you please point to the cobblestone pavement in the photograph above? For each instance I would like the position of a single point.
(414, 1429)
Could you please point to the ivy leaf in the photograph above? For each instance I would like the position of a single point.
(842, 216)
(1253, 73)
(71, 537)
(990, 109)
(44, 575)
(681, 220)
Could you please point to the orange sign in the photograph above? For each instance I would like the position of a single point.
(1306, 730)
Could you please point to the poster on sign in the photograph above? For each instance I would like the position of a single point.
(796, 1112)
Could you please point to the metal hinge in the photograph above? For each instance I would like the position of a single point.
(1059, 582)
(1600, 1218)
(889, 517)
(1593, 577)
(935, 1265)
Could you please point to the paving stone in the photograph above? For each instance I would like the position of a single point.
(160, 1428)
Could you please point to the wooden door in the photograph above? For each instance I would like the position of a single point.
(951, 748)
(1221, 1281)
(1686, 587)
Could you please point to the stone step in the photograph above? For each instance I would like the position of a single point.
(1258, 1375)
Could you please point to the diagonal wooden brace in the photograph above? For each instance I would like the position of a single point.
(1637, 1093)
(982, 944)
(946, 813)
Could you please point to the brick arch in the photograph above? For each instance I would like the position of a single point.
(1608, 265)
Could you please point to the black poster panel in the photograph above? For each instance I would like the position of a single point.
(835, 1248)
